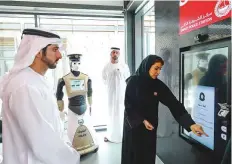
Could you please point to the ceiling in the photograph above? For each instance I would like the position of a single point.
(84, 2)
(103, 8)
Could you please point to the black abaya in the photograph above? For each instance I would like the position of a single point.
(143, 95)
(142, 98)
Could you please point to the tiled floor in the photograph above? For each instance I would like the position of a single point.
(108, 153)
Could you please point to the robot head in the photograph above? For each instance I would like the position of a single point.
(203, 60)
(75, 61)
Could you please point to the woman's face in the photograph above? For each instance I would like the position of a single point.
(223, 68)
(155, 70)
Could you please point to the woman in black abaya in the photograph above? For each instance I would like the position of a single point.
(143, 93)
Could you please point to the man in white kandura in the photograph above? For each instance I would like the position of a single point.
(114, 75)
(31, 121)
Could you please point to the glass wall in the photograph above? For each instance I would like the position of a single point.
(144, 32)
(11, 27)
(91, 37)
(149, 33)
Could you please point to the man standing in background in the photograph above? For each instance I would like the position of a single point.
(114, 75)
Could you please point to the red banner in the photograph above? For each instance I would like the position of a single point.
(197, 14)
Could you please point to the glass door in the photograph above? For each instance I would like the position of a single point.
(149, 32)
(92, 38)
(144, 32)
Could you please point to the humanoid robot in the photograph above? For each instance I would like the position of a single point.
(78, 88)
(193, 78)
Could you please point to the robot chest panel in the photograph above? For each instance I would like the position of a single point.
(76, 86)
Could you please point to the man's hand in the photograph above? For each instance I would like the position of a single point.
(148, 125)
(198, 130)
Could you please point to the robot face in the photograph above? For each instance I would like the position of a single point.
(203, 63)
(75, 65)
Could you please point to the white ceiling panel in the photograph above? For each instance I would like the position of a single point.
(87, 2)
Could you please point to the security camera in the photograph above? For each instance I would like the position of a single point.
(201, 37)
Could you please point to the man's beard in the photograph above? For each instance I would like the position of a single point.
(115, 58)
(50, 64)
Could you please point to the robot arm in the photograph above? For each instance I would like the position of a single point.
(89, 93)
(60, 94)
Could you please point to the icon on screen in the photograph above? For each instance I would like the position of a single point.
(202, 96)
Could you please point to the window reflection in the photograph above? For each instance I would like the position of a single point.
(206, 89)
